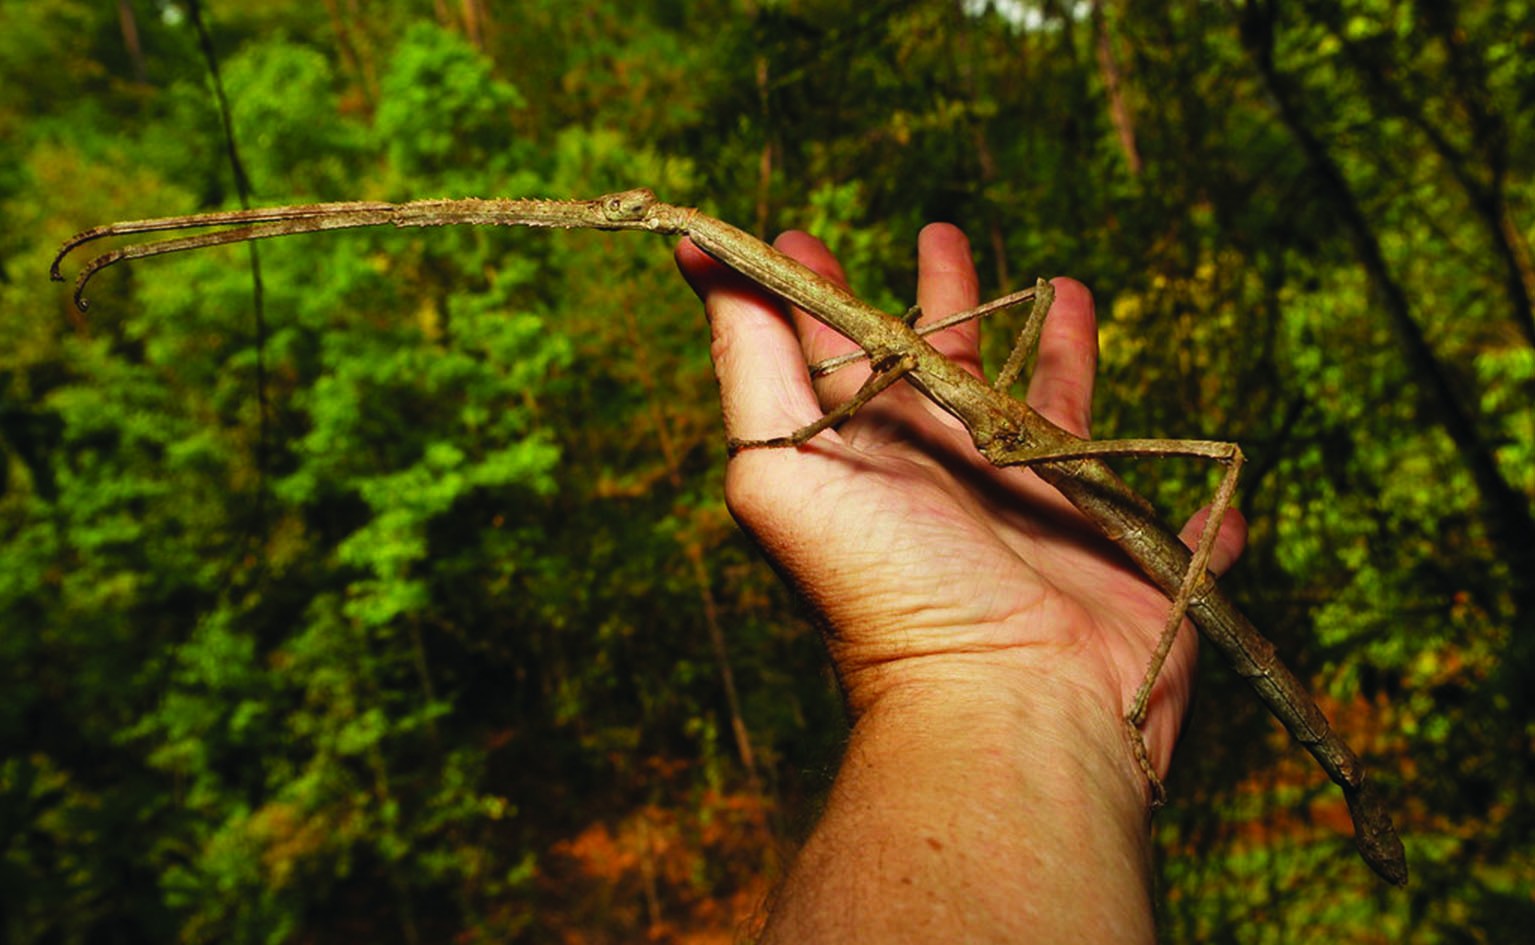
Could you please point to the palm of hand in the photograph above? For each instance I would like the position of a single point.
(914, 551)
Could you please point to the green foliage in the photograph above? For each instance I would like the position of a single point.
(443, 115)
(288, 125)
(390, 618)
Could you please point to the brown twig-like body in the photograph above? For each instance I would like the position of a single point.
(1004, 429)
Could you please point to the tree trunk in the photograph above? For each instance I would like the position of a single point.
(1119, 110)
(130, 27)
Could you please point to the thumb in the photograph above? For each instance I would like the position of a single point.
(765, 389)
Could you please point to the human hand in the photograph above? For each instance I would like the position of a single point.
(928, 566)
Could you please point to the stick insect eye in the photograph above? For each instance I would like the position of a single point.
(628, 205)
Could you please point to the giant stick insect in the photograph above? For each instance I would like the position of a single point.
(1005, 430)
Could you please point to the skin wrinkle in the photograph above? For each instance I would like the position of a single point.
(725, 349)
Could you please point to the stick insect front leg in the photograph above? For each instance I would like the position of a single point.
(885, 373)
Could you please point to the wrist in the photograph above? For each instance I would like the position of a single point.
(986, 782)
(1028, 708)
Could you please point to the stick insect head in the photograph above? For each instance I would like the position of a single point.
(628, 206)
(639, 209)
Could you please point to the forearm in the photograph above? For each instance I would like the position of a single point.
(1000, 807)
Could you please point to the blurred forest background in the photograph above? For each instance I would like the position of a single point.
(390, 597)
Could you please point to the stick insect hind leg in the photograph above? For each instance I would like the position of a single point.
(1195, 576)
